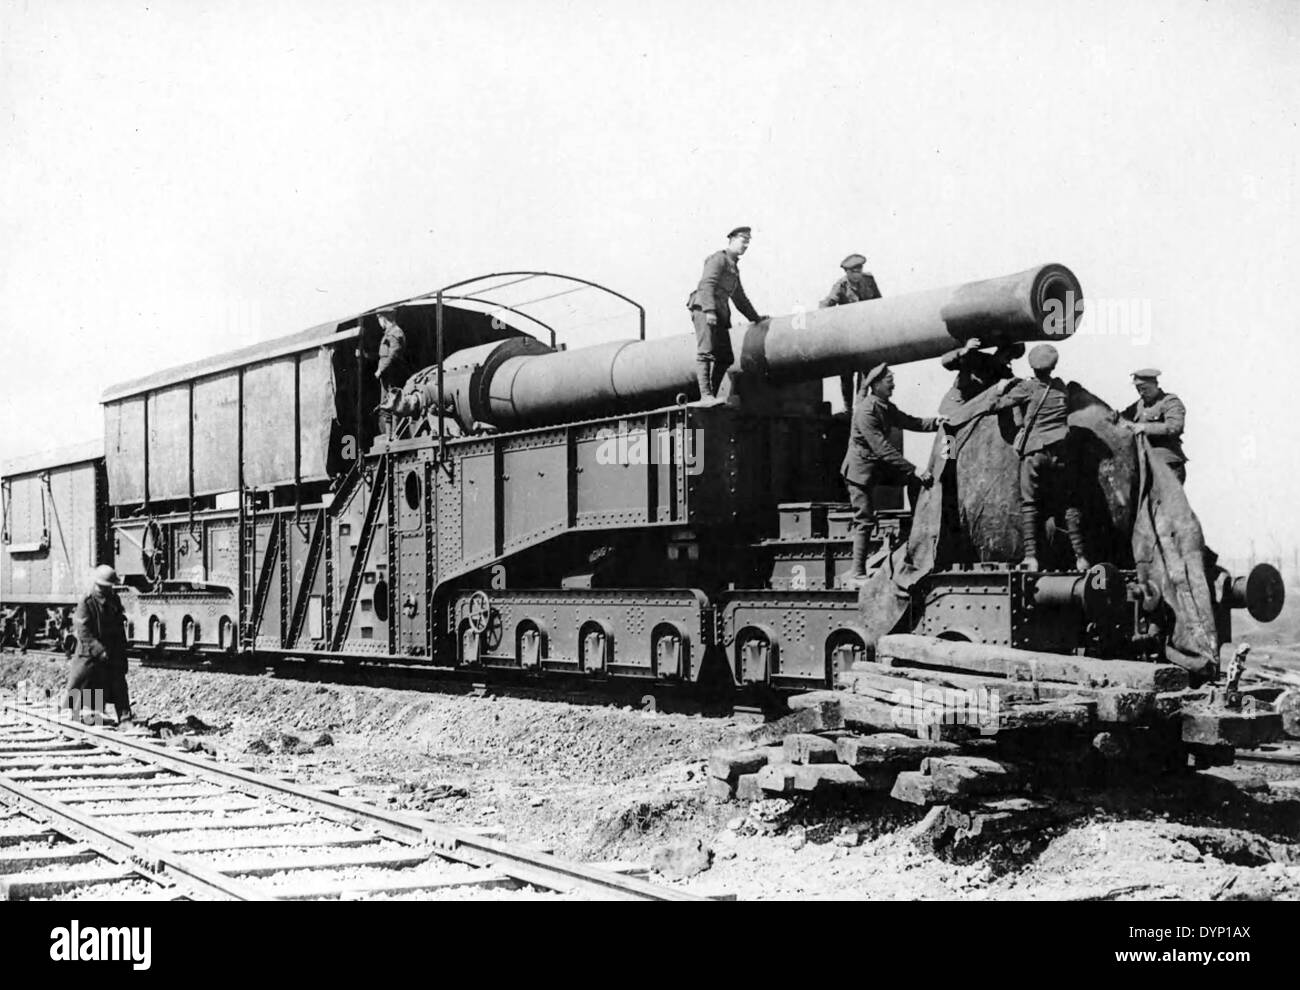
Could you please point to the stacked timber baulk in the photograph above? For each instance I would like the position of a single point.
(988, 738)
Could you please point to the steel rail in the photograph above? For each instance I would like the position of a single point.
(150, 860)
(526, 865)
(1289, 756)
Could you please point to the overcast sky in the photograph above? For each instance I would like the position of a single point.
(180, 178)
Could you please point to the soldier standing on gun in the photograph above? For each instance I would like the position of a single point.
(854, 285)
(710, 306)
(1160, 416)
(100, 664)
(872, 460)
(1046, 462)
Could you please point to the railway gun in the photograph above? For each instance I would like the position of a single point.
(527, 506)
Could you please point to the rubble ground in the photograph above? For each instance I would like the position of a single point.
(607, 783)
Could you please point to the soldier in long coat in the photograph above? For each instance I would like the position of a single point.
(100, 664)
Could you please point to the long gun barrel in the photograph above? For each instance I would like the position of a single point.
(519, 383)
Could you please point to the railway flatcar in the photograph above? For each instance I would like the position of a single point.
(53, 531)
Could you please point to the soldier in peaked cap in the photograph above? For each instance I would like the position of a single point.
(872, 460)
(100, 664)
(1046, 459)
(1160, 416)
(854, 285)
(710, 307)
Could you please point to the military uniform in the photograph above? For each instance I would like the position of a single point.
(1163, 421)
(853, 286)
(392, 371)
(1047, 472)
(719, 287)
(872, 460)
(100, 664)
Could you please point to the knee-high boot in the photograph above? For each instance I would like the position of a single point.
(1029, 533)
(1074, 528)
(860, 541)
(704, 375)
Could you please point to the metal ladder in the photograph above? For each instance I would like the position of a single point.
(247, 569)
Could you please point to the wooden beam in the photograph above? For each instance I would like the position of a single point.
(388, 861)
(488, 879)
(17, 888)
(902, 650)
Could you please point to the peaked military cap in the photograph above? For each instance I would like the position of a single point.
(1150, 374)
(739, 230)
(853, 261)
(875, 374)
(1043, 357)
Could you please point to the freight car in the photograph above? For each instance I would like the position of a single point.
(54, 530)
(541, 509)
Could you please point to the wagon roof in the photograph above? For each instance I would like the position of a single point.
(43, 460)
(546, 301)
(262, 351)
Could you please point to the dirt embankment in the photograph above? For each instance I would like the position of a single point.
(599, 782)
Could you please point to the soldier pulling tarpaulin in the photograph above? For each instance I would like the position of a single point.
(1135, 515)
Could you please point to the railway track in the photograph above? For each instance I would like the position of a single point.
(686, 699)
(91, 813)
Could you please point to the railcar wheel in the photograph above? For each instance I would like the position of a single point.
(595, 648)
(226, 633)
(22, 637)
(156, 631)
(756, 655)
(189, 632)
(70, 646)
(844, 651)
(669, 649)
(468, 645)
(530, 644)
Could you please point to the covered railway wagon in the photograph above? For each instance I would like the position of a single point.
(535, 508)
(228, 479)
(53, 531)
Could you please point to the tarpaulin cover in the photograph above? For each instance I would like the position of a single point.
(1135, 514)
